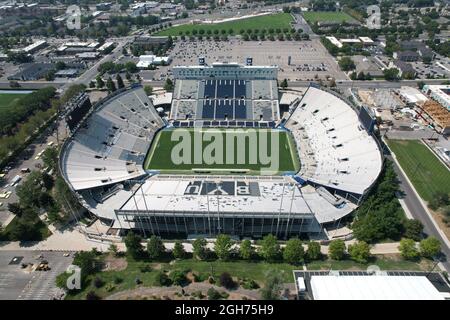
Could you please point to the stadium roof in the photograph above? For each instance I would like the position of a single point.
(379, 287)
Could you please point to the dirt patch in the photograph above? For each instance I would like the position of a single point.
(156, 266)
(112, 263)
(439, 218)
(193, 291)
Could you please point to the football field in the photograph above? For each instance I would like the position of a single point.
(230, 151)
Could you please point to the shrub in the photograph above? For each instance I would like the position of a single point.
(98, 283)
(91, 295)
(178, 278)
(117, 280)
(227, 281)
(163, 279)
(213, 294)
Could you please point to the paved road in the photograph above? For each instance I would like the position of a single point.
(418, 212)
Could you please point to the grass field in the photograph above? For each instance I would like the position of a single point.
(7, 98)
(275, 21)
(162, 150)
(325, 16)
(423, 168)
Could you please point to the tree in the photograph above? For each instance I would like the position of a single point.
(113, 249)
(336, 249)
(100, 82)
(413, 229)
(222, 246)
(120, 83)
(347, 64)
(148, 90)
(313, 251)
(380, 216)
(227, 281)
(284, 84)
(30, 190)
(408, 249)
(155, 247)
(272, 287)
(50, 158)
(168, 85)
(178, 250)
(133, 245)
(110, 85)
(359, 251)
(246, 250)
(430, 247)
(390, 74)
(270, 249)
(87, 261)
(199, 248)
(293, 253)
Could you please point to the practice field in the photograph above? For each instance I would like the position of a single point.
(425, 171)
(7, 98)
(252, 154)
(324, 16)
(273, 21)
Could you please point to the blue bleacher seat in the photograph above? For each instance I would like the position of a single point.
(224, 108)
(240, 109)
(208, 109)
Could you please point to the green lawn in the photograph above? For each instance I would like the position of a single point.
(254, 270)
(324, 16)
(423, 168)
(275, 21)
(7, 98)
(162, 150)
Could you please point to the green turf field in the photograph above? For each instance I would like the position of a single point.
(274, 21)
(163, 148)
(423, 168)
(325, 16)
(7, 98)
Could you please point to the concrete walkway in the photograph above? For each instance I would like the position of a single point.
(73, 240)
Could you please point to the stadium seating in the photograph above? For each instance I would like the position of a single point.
(335, 150)
(111, 146)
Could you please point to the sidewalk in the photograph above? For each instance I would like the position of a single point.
(73, 240)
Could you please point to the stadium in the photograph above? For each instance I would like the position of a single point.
(119, 159)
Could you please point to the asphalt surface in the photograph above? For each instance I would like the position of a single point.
(418, 212)
(17, 283)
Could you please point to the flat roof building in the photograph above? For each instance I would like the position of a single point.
(371, 285)
(440, 93)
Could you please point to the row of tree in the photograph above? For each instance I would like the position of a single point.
(226, 249)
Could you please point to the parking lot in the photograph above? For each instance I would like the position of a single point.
(435, 70)
(30, 159)
(17, 283)
(308, 58)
